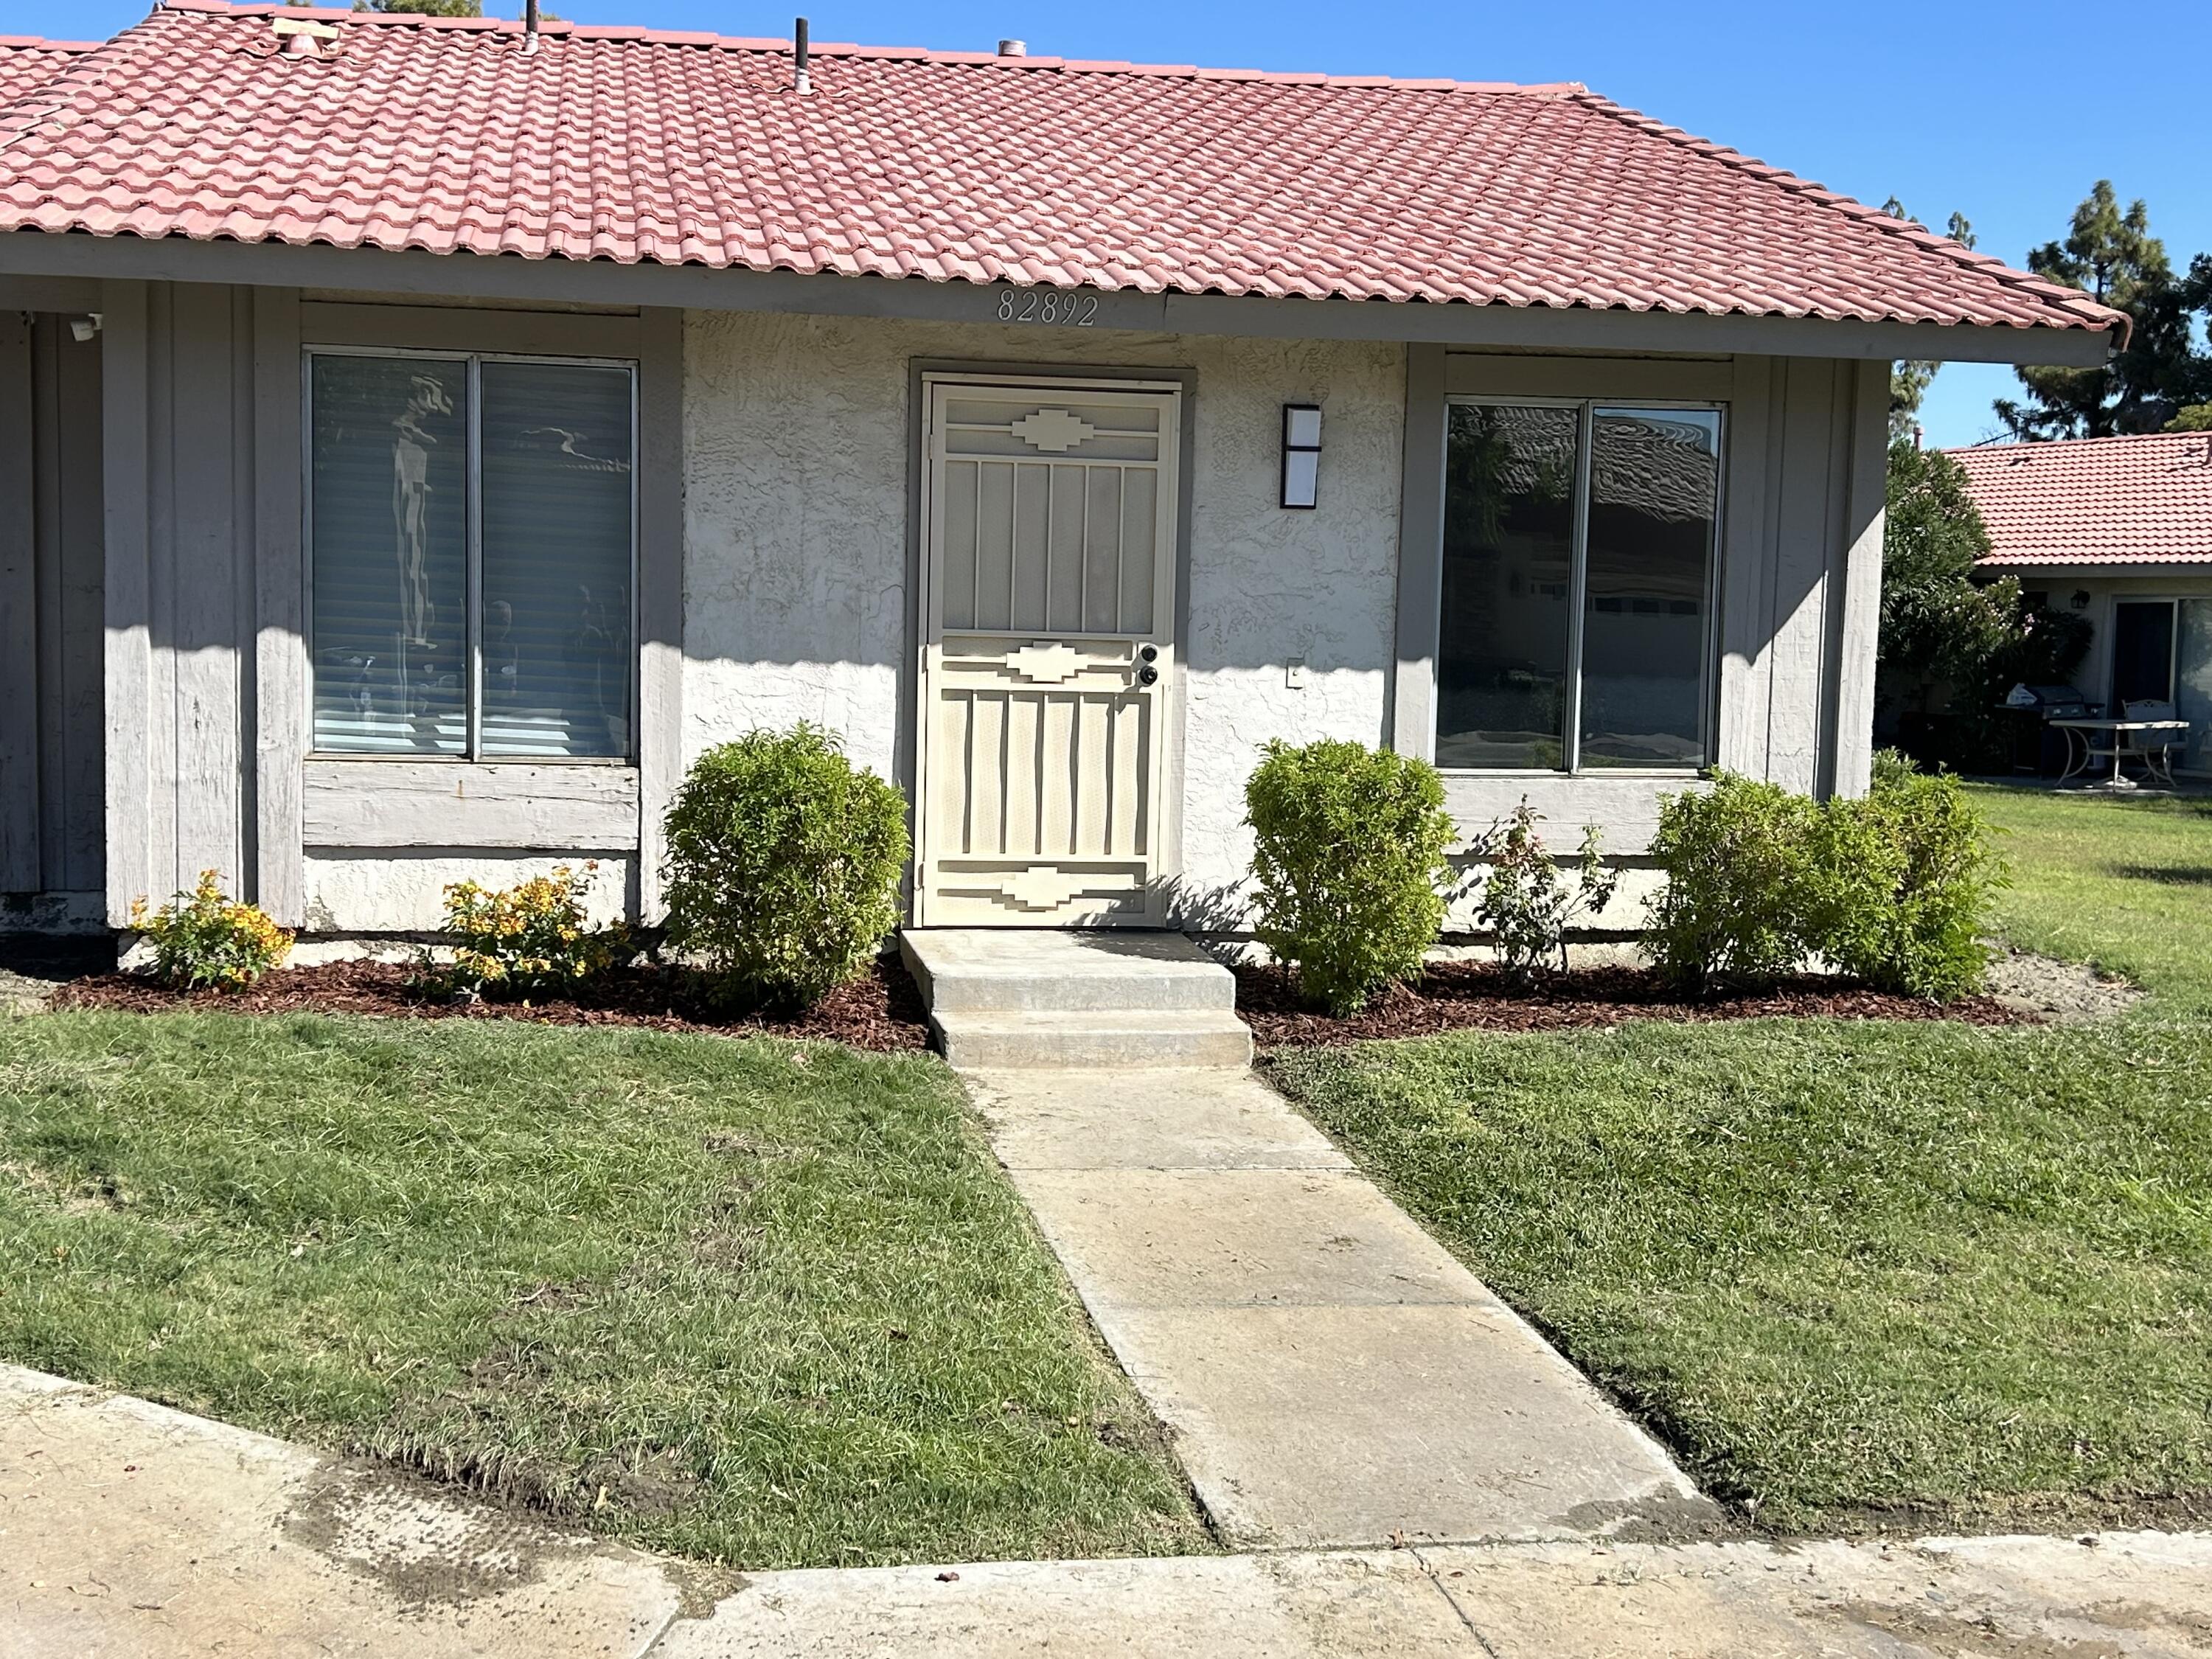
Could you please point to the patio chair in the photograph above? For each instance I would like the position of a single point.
(2153, 748)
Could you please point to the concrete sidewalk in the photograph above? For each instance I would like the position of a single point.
(128, 1531)
(1332, 1377)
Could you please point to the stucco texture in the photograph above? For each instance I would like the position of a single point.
(382, 892)
(798, 448)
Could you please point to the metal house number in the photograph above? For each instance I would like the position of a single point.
(1043, 305)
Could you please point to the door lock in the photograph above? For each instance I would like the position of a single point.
(1147, 675)
(1149, 652)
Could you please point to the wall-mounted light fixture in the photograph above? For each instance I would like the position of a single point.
(2080, 599)
(1301, 454)
(81, 329)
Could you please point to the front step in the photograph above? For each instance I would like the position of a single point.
(1152, 1037)
(1013, 997)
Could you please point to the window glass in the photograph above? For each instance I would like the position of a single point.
(556, 446)
(1655, 493)
(1508, 559)
(544, 666)
(389, 475)
(2192, 691)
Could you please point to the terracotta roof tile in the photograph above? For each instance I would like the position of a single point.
(27, 63)
(2095, 501)
(634, 146)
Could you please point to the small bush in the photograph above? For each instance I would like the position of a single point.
(1739, 864)
(784, 861)
(526, 939)
(1348, 867)
(203, 941)
(1903, 883)
(1526, 905)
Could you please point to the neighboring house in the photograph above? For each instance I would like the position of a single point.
(424, 441)
(2120, 530)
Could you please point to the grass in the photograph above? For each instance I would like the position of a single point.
(1865, 1275)
(754, 1301)
(2126, 885)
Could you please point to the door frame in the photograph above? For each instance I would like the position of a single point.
(2173, 605)
(923, 375)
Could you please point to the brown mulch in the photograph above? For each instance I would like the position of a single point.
(882, 1010)
(1471, 996)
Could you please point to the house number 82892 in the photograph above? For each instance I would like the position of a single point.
(1039, 305)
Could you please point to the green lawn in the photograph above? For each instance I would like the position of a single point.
(755, 1302)
(2124, 883)
(1865, 1274)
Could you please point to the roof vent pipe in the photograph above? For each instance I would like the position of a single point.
(1013, 48)
(801, 80)
(529, 28)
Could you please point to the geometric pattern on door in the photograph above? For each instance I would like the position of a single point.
(1048, 656)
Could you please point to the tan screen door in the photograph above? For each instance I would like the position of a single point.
(1048, 656)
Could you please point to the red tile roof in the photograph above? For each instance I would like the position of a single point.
(2095, 501)
(630, 145)
(27, 62)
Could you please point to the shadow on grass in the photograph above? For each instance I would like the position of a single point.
(2168, 875)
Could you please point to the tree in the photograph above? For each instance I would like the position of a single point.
(2112, 256)
(1939, 627)
(1909, 381)
(421, 8)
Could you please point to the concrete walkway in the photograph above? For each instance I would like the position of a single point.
(131, 1532)
(1332, 1375)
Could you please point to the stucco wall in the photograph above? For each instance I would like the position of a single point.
(797, 446)
(382, 891)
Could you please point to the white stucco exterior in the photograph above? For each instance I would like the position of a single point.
(799, 449)
(377, 892)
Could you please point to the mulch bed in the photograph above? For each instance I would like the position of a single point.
(1469, 996)
(882, 1010)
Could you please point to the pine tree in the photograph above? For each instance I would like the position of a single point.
(1909, 381)
(2112, 256)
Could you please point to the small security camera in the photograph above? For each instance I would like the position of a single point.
(81, 329)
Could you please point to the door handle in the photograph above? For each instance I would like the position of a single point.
(1147, 675)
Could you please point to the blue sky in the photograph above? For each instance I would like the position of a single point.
(1933, 102)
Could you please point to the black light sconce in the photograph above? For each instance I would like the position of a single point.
(2080, 599)
(1301, 455)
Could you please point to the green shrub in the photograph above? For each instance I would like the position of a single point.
(526, 939)
(1348, 866)
(783, 869)
(203, 941)
(1903, 883)
(1739, 864)
(1526, 906)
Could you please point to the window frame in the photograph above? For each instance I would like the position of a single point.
(1570, 744)
(473, 753)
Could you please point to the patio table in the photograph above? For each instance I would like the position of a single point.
(2154, 760)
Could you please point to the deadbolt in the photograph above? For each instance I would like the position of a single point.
(1149, 652)
(1147, 675)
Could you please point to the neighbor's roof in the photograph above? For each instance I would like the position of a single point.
(27, 62)
(633, 146)
(2095, 501)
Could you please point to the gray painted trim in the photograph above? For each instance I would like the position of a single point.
(1746, 599)
(125, 467)
(909, 732)
(280, 654)
(447, 328)
(422, 804)
(661, 533)
(1412, 717)
(413, 271)
(66, 294)
(21, 862)
(1681, 379)
(1858, 583)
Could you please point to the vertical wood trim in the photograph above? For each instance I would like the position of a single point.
(660, 594)
(19, 861)
(1412, 714)
(1747, 557)
(127, 603)
(76, 522)
(280, 650)
(200, 509)
(1807, 486)
(50, 543)
(1858, 583)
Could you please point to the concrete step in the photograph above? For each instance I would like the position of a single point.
(1133, 1038)
(1034, 971)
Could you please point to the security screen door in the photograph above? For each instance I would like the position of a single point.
(1048, 654)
